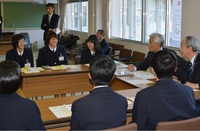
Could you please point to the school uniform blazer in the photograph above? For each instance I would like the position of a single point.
(45, 25)
(18, 113)
(47, 57)
(21, 60)
(182, 67)
(86, 55)
(167, 100)
(195, 76)
(104, 46)
(101, 109)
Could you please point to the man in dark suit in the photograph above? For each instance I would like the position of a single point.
(49, 20)
(156, 43)
(104, 44)
(102, 108)
(166, 100)
(189, 49)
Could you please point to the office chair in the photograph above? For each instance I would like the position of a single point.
(131, 127)
(124, 55)
(136, 57)
(116, 47)
(188, 124)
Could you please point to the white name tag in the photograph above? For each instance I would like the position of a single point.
(27, 65)
(61, 58)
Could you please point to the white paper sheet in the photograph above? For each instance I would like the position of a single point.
(61, 111)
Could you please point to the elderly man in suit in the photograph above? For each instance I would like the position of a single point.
(189, 49)
(49, 21)
(166, 100)
(102, 108)
(156, 43)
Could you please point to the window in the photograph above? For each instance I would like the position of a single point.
(77, 15)
(162, 16)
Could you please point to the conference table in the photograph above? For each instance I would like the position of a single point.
(72, 80)
(69, 80)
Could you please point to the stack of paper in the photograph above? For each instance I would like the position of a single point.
(61, 111)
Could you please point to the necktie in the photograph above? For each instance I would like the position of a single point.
(190, 69)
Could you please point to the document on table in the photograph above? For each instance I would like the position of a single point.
(31, 69)
(143, 74)
(122, 72)
(61, 111)
(130, 99)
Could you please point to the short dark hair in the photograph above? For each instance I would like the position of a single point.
(102, 32)
(102, 69)
(93, 38)
(164, 64)
(10, 76)
(50, 5)
(15, 39)
(49, 35)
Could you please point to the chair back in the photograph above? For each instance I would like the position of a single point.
(77, 59)
(110, 51)
(125, 53)
(137, 56)
(188, 124)
(116, 47)
(131, 127)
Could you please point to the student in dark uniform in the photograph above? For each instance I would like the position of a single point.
(166, 100)
(52, 54)
(102, 108)
(92, 50)
(23, 56)
(16, 113)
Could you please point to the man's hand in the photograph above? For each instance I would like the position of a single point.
(131, 67)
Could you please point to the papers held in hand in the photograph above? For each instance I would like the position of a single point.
(61, 111)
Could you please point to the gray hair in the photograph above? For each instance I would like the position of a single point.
(191, 41)
(158, 38)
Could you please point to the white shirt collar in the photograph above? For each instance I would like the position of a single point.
(92, 52)
(20, 53)
(100, 86)
(53, 49)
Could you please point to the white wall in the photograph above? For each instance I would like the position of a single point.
(191, 18)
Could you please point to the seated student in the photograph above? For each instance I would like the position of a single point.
(92, 49)
(104, 44)
(52, 54)
(23, 56)
(102, 108)
(16, 113)
(156, 43)
(166, 100)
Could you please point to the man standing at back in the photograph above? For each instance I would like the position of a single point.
(49, 20)
(102, 108)
(104, 44)
(166, 100)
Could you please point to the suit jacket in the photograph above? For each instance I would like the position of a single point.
(182, 67)
(21, 60)
(47, 57)
(101, 109)
(18, 113)
(195, 77)
(104, 46)
(167, 100)
(86, 55)
(45, 25)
